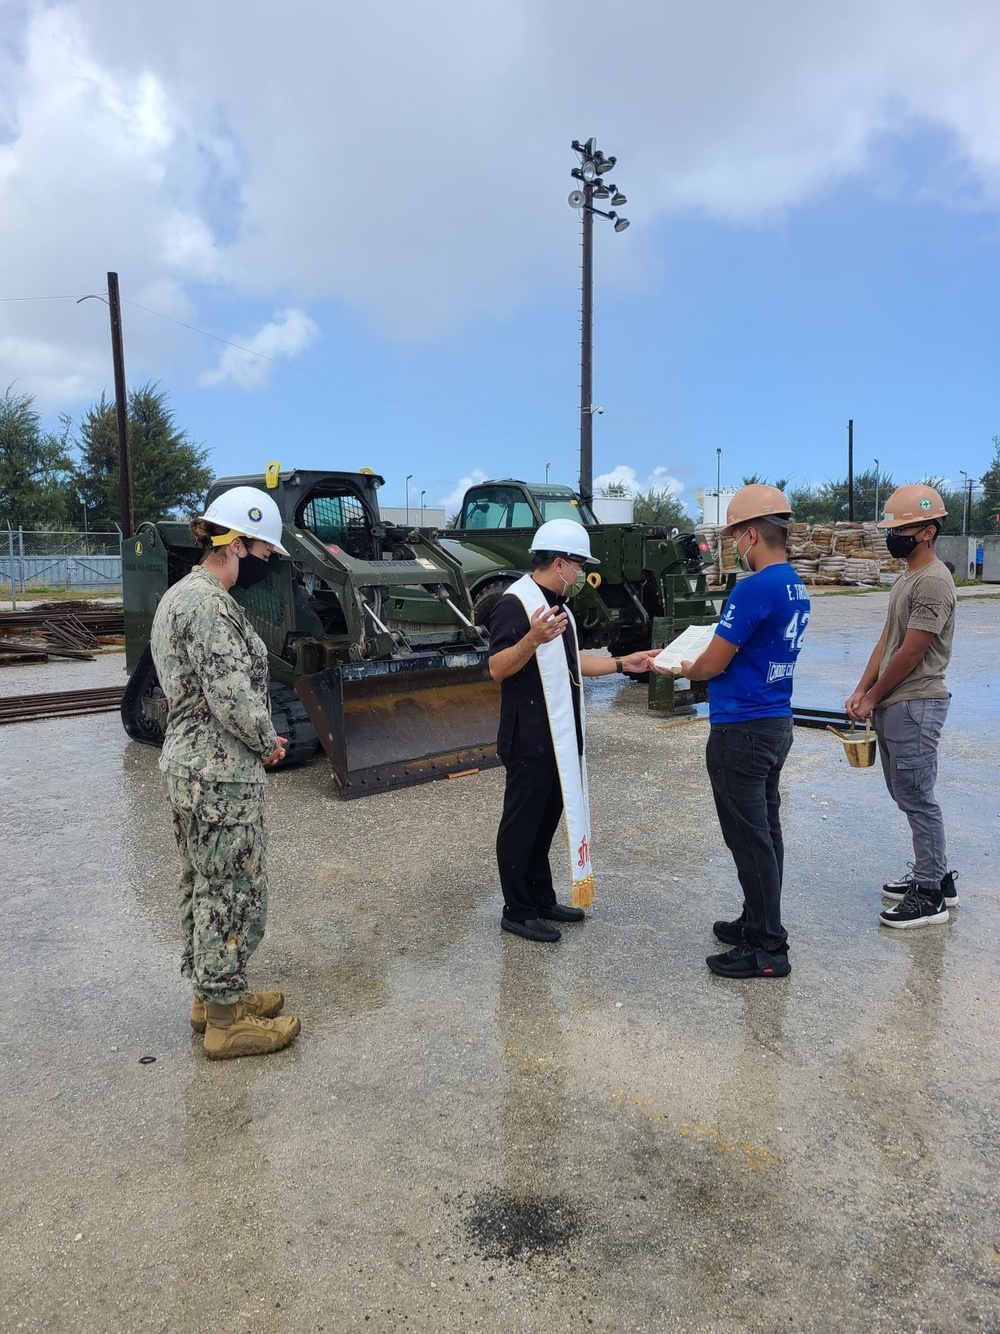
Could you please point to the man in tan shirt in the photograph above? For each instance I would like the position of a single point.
(902, 690)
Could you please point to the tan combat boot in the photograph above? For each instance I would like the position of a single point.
(264, 1004)
(230, 1031)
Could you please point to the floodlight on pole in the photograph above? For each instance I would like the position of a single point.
(588, 172)
(409, 477)
(876, 489)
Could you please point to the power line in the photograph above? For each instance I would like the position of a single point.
(301, 370)
(339, 384)
(73, 296)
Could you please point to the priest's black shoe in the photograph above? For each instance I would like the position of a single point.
(533, 929)
(561, 912)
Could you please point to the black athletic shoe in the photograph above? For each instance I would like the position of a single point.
(730, 932)
(533, 929)
(898, 889)
(916, 909)
(561, 912)
(745, 961)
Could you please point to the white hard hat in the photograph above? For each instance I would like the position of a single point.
(564, 537)
(246, 512)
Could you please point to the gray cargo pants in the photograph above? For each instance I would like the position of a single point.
(908, 734)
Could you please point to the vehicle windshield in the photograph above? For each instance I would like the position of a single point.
(564, 507)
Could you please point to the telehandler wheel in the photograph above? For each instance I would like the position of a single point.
(487, 597)
(291, 720)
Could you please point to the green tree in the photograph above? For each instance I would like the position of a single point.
(828, 502)
(34, 467)
(169, 472)
(986, 506)
(661, 507)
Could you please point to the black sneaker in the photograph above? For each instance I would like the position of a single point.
(916, 909)
(730, 932)
(898, 889)
(948, 890)
(746, 961)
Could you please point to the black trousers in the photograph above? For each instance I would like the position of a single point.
(532, 805)
(744, 764)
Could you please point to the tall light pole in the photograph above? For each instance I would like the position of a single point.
(422, 494)
(876, 490)
(547, 467)
(593, 164)
(965, 502)
(406, 486)
(850, 470)
(718, 485)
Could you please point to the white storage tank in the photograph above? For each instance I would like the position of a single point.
(613, 509)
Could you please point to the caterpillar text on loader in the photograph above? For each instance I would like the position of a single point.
(371, 640)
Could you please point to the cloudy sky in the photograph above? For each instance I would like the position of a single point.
(369, 202)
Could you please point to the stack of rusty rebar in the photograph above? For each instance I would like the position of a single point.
(59, 630)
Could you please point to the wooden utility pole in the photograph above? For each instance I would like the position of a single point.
(121, 409)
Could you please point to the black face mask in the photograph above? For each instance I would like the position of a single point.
(252, 570)
(900, 545)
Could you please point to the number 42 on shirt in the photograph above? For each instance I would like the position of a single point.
(795, 630)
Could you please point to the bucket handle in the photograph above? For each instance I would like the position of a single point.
(849, 736)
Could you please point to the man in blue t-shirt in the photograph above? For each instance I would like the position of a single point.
(749, 666)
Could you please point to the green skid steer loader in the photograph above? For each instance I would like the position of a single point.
(371, 640)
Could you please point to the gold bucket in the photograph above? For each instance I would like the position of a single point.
(858, 747)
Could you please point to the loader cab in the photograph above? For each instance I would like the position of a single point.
(335, 513)
(495, 506)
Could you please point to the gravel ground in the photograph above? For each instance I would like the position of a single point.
(478, 1133)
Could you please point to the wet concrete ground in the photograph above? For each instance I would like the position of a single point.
(478, 1133)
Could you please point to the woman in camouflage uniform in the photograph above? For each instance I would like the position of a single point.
(219, 737)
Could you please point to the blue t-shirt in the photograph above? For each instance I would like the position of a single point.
(766, 618)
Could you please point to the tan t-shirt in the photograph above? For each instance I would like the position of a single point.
(922, 601)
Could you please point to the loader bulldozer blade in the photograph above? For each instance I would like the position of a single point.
(401, 721)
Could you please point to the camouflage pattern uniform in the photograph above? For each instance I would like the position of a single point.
(213, 669)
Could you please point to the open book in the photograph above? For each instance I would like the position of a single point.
(686, 647)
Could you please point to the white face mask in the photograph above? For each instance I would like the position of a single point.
(743, 558)
(574, 585)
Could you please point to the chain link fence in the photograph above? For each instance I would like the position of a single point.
(37, 563)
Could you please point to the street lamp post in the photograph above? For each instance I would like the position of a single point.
(547, 467)
(593, 164)
(406, 486)
(965, 502)
(876, 490)
(718, 485)
(422, 494)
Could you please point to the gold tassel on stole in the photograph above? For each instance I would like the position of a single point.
(583, 892)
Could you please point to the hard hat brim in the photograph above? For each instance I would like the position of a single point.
(759, 518)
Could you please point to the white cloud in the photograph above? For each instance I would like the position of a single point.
(453, 499)
(425, 184)
(660, 479)
(288, 334)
